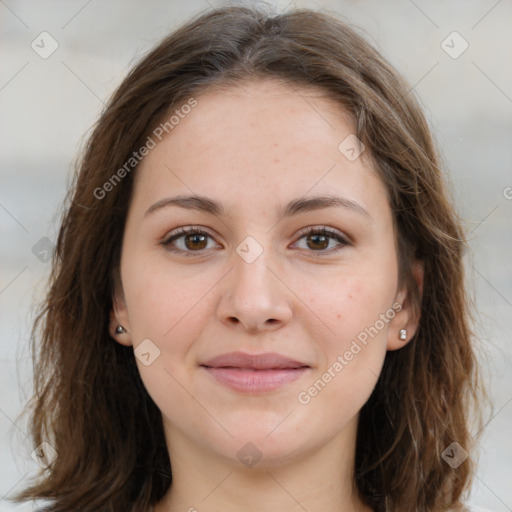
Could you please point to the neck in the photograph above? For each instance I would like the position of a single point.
(320, 480)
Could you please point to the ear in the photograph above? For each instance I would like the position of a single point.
(119, 317)
(407, 317)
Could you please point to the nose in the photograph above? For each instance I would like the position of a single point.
(254, 296)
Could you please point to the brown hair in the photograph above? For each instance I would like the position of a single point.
(90, 403)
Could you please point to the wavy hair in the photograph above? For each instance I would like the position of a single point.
(89, 402)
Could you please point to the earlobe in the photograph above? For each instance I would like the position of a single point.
(405, 324)
(398, 338)
(119, 324)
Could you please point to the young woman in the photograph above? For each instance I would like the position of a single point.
(257, 300)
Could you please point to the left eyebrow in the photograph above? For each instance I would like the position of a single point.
(316, 203)
(294, 207)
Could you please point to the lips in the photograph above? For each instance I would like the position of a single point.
(266, 361)
(254, 374)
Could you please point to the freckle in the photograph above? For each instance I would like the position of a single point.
(276, 160)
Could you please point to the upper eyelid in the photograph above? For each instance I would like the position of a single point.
(305, 230)
(183, 231)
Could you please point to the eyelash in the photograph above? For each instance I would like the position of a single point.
(325, 231)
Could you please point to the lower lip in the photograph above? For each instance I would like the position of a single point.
(255, 381)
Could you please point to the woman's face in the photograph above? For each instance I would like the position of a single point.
(252, 281)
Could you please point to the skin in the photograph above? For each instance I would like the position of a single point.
(253, 148)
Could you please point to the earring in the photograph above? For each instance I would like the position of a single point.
(402, 334)
(120, 329)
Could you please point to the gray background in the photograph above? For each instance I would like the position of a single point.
(49, 104)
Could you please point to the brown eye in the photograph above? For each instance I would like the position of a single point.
(195, 241)
(188, 241)
(318, 240)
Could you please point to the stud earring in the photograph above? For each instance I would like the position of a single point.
(402, 334)
(120, 329)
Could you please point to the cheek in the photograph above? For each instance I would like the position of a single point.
(356, 305)
(168, 309)
(161, 301)
(350, 300)
(352, 356)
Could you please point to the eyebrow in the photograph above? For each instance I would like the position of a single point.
(294, 207)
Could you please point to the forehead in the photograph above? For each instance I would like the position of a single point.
(269, 109)
(263, 137)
